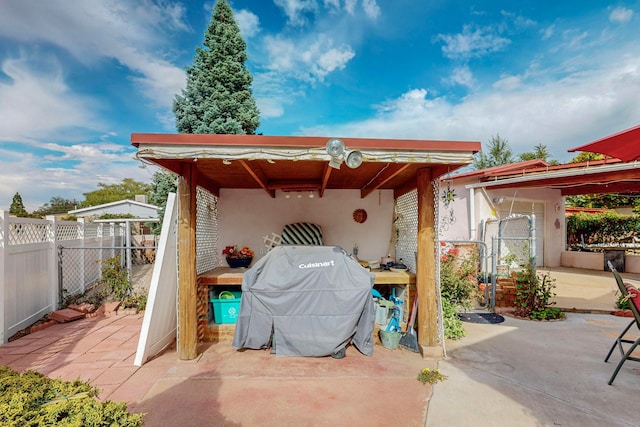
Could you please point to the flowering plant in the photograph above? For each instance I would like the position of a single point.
(458, 275)
(232, 251)
(428, 376)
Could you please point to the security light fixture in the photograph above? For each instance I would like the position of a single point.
(339, 153)
(335, 147)
(353, 159)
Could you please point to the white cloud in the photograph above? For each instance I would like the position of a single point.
(471, 43)
(39, 104)
(38, 178)
(462, 76)
(92, 30)
(298, 11)
(350, 6)
(508, 83)
(547, 32)
(557, 113)
(311, 62)
(295, 9)
(620, 15)
(248, 22)
(371, 8)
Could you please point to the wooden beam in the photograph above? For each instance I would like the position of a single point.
(390, 171)
(208, 185)
(326, 174)
(426, 287)
(405, 188)
(187, 286)
(614, 187)
(259, 177)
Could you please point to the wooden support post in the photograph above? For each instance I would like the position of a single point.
(426, 267)
(187, 287)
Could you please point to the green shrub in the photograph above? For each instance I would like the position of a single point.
(453, 328)
(33, 399)
(609, 227)
(534, 294)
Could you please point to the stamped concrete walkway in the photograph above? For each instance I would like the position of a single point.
(225, 387)
(518, 373)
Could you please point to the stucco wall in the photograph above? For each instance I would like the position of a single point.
(553, 235)
(244, 216)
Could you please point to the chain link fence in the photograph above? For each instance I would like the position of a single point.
(80, 268)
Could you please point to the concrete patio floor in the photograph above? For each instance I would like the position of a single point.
(516, 373)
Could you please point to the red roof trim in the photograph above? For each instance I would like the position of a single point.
(301, 141)
(502, 169)
(529, 167)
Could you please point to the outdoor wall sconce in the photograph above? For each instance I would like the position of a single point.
(339, 153)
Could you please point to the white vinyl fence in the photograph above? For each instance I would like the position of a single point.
(29, 276)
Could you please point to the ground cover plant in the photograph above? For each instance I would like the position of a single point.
(33, 399)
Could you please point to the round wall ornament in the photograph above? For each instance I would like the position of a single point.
(359, 216)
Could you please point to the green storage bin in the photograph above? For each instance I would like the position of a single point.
(226, 307)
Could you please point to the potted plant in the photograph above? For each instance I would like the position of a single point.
(237, 258)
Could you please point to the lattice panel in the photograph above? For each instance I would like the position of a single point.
(207, 254)
(406, 228)
(21, 233)
(66, 231)
(407, 238)
(436, 207)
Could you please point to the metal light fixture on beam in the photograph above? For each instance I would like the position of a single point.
(339, 153)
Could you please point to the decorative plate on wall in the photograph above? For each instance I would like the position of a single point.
(359, 216)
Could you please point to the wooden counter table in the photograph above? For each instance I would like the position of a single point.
(233, 276)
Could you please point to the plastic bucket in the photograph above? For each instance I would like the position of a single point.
(382, 314)
(390, 340)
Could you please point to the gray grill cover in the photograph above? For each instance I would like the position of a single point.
(315, 299)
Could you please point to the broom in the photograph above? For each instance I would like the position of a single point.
(409, 339)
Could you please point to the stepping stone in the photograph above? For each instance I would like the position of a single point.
(66, 315)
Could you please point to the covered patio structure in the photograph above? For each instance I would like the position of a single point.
(254, 170)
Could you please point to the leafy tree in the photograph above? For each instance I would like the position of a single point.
(499, 154)
(17, 207)
(541, 152)
(218, 98)
(107, 193)
(56, 205)
(586, 156)
(162, 184)
(611, 200)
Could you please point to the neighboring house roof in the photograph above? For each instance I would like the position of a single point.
(138, 209)
(594, 176)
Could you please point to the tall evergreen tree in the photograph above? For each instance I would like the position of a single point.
(218, 96)
(17, 207)
(162, 184)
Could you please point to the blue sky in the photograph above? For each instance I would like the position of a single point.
(77, 77)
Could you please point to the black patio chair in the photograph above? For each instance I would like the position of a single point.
(634, 303)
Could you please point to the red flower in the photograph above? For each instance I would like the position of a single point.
(232, 251)
(443, 258)
(443, 243)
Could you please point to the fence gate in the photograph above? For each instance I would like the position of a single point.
(80, 268)
(512, 244)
